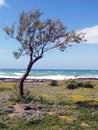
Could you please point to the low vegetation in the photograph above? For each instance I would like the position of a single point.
(73, 84)
(49, 108)
(53, 83)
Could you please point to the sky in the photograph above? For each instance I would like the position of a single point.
(78, 15)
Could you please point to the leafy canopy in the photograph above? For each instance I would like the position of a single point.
(37, 36)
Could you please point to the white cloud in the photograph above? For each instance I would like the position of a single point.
(3, 3)
(91, 34)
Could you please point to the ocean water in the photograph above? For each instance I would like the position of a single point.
(49, 74)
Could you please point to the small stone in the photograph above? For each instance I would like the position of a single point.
(85, 125)
(27, 107)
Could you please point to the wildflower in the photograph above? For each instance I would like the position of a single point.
(67, 118)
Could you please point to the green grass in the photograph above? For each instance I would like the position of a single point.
(65, 109)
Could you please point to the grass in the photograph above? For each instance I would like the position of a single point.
(64, 109)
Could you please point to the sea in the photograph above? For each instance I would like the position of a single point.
(54, 74)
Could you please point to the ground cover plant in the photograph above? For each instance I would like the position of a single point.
(73, 84)
(49, 107)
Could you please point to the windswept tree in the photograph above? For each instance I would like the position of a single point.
(37, 36)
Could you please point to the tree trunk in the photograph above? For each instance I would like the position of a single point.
(21, 90)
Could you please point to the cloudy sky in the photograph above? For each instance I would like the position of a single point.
(78, 15)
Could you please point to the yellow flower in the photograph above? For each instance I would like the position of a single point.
(96, 100)
(68, 118)
(77, 98)
(44, 95)
(80, 98)
(9, 102)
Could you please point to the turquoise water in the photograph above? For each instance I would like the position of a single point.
(49, 73)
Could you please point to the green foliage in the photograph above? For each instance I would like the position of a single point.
(15, 96)
(17, 123)
(85, 114)
(2, 125)
(41, 99)
(35, 118)
(70, 81)
(2, 89)
(34, 34)
(53, 83)
(80, 84)
(64, 113)
(73, 84)
(61, 111)
(88, 85)
(62, 101)
(50, 120)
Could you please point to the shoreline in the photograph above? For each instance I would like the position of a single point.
(44, 80)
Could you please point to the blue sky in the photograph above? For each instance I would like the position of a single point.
(79, 15)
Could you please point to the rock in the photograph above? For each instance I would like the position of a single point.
(27, 107)
(85, 125)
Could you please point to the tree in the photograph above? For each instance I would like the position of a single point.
(37, 36)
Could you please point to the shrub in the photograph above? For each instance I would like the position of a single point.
(54, 83)
(80, 84)
(88, 85)
(72, 84)
(2, 125)
(14, 96)
(41, 99)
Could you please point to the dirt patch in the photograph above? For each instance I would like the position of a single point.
(18, 109)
